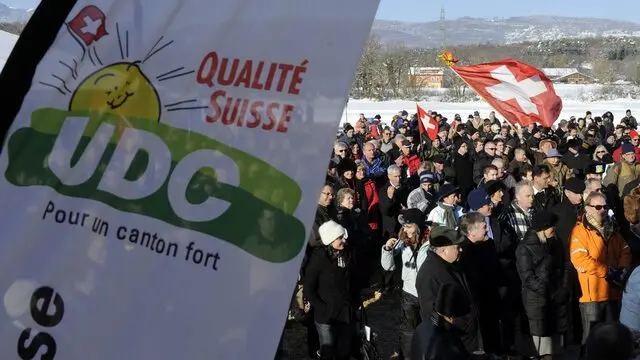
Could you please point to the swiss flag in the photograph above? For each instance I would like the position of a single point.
(520, 92)
(427, 124)
(89, 24)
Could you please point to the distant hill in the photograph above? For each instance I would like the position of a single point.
(471, 31)
(463, 31)
(10, 15)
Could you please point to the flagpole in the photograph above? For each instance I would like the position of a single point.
(346, 111)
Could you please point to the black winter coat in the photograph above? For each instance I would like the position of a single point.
(545, 199)
(435, 272)
(463, 166)
(567, 214)
(332, 291)
(481, 162)
(544, 284)
(390, 208)
(436, 342)
(355, 222)
(482, 270)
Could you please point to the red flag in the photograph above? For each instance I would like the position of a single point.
(520, 92)
(454, 124)
(89, 24)
(427, 124)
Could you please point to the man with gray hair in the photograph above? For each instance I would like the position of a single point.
(503, 175)
(393, 198)
(518, 215)
(592, 185)
(398, 141)
(340, 149)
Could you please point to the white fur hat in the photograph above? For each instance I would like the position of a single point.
(330, 231)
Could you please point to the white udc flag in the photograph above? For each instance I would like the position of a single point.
(161, 175)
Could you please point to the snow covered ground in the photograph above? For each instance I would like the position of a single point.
(574, 97)
(389, 108)
(7, 41)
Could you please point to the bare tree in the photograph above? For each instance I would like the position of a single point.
(396, 65)
(369, 79)
(384, 70)
(631, 69)
(603, 70)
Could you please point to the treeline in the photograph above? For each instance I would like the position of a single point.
(383, 69)
(12, 27)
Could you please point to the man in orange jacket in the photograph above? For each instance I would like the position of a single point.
(602, 259)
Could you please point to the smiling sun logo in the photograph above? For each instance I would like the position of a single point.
(120, 88)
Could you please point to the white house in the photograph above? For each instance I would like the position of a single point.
(568, 76)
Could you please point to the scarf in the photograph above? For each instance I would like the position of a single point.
(450, 219)
(606, 229)
(339, 256)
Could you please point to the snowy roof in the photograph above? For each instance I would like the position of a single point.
(7, 41)
(559, 72)
(426, 70)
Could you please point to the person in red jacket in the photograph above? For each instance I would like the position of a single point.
(372, 199)
(635, 141)
(411, 160)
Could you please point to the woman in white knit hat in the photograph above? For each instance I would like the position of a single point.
(332, 287)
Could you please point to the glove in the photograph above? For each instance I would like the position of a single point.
(612, 274)
(621, 279)
(617, 276)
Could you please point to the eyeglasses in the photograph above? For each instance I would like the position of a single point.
(340, 151)
(491, 149)
(326, 193)
(599, 207)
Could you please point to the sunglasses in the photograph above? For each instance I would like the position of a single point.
(599, 207)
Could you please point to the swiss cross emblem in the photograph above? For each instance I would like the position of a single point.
(521, 91)
(89, 24)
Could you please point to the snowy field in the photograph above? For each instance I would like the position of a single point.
(7, 41)
(573, 97)
(389, 108)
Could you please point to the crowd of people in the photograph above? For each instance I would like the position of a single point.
(490, 233)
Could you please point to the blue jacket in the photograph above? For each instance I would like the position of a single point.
(630, 313)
